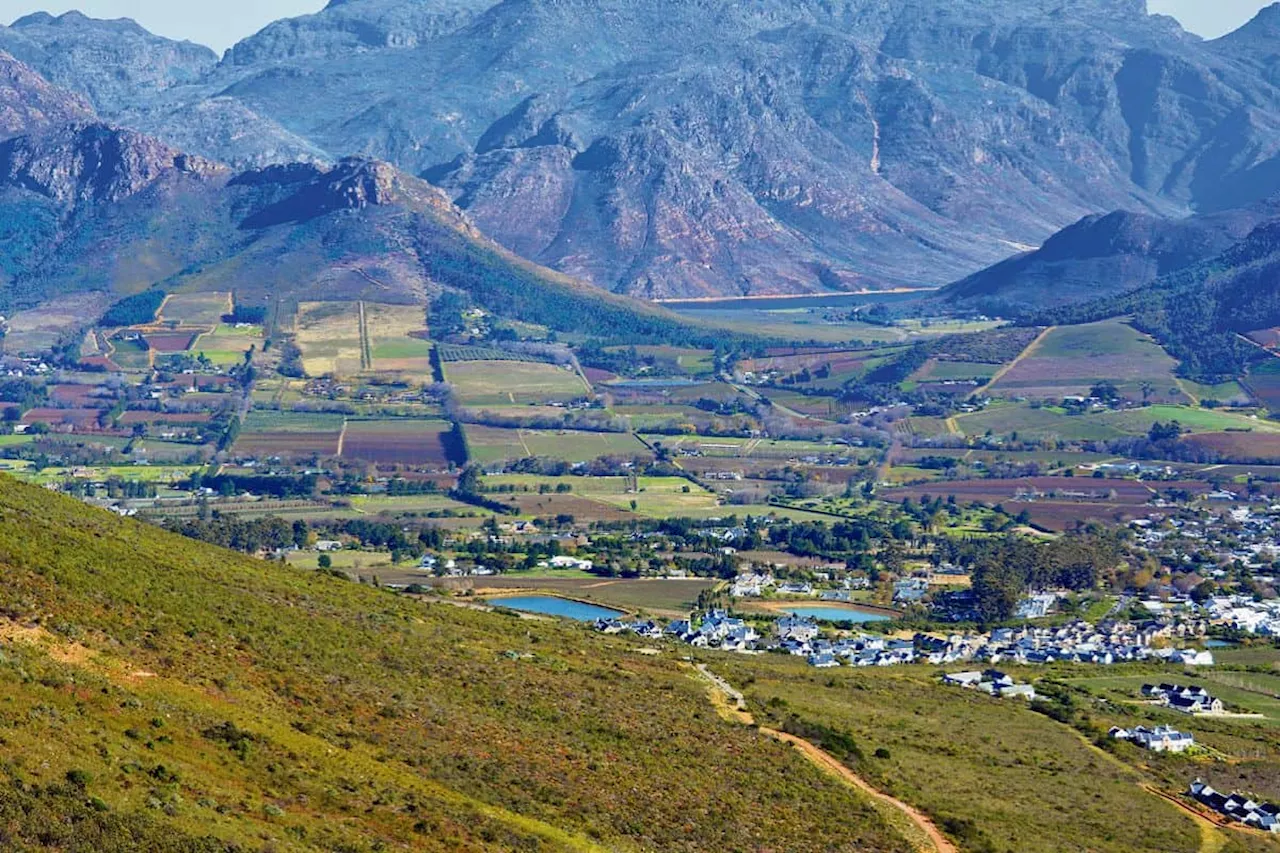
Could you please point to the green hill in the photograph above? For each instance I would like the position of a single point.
(159, 694)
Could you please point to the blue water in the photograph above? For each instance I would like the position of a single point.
(1218, 644)
(837, 614)
(550, 605)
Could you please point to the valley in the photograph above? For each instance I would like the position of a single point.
(598, 426)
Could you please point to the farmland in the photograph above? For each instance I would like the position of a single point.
(1070, 360)
(480, 383)
(330, 337)
(195, 309)
(416, 442)
(493, 444)
(227, 345)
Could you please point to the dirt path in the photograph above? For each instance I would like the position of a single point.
(1004, 371)
(732, 705)
(1212, 840)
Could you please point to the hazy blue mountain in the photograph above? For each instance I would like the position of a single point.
(92, 207)
(28, 102)
(696, 148)
(114, 63)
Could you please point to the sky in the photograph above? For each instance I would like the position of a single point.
(221, 23)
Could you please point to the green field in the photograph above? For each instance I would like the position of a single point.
(479, 383)
(1139, 421)
(226, 345)
(1046, 422)
(130, 354)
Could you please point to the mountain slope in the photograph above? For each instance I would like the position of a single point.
(1102, 256)
(1200, 313)
(167, 689)
(29, 103)
(91, 207)
(765, 147)
(758, 148)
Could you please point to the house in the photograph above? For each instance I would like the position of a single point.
(1238, 807)
(1191, 699)
(962, 679)
(797, 628)
(910, 590)
(1017, 691)
(1036, 606)
(325, 546)
(1159, 739)
(823, 660)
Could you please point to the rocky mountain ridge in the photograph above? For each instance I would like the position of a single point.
(751, 148)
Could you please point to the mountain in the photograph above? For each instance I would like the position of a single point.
(165, 695)
(29, 103)
(114, 63)
(1101, 256)
(796, 146)
(90, 207)
(1202, 312)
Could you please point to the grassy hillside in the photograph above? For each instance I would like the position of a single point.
(159, 694)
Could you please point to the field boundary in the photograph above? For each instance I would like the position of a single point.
(1004, 371)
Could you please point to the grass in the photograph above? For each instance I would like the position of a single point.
(995, 775)
(226, 345)
(1194, 419)
(204, 695)
(265, 420)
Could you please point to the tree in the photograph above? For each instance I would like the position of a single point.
(325, 561)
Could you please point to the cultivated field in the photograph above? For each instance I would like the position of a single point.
(397, 442)
(349, 338)
(226, 345)
(492, 444)
(329, 335)
(1069, 360)
(39, 329)
(196, 309)
(480, 383)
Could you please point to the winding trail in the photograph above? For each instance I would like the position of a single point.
(732, 705)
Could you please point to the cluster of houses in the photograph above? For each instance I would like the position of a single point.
(802, 636)
(1159, 739)
(758, 584)
(992, 682)
(1243, 613)
(1187, 699)
(1238, 807)
(1076, 642)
